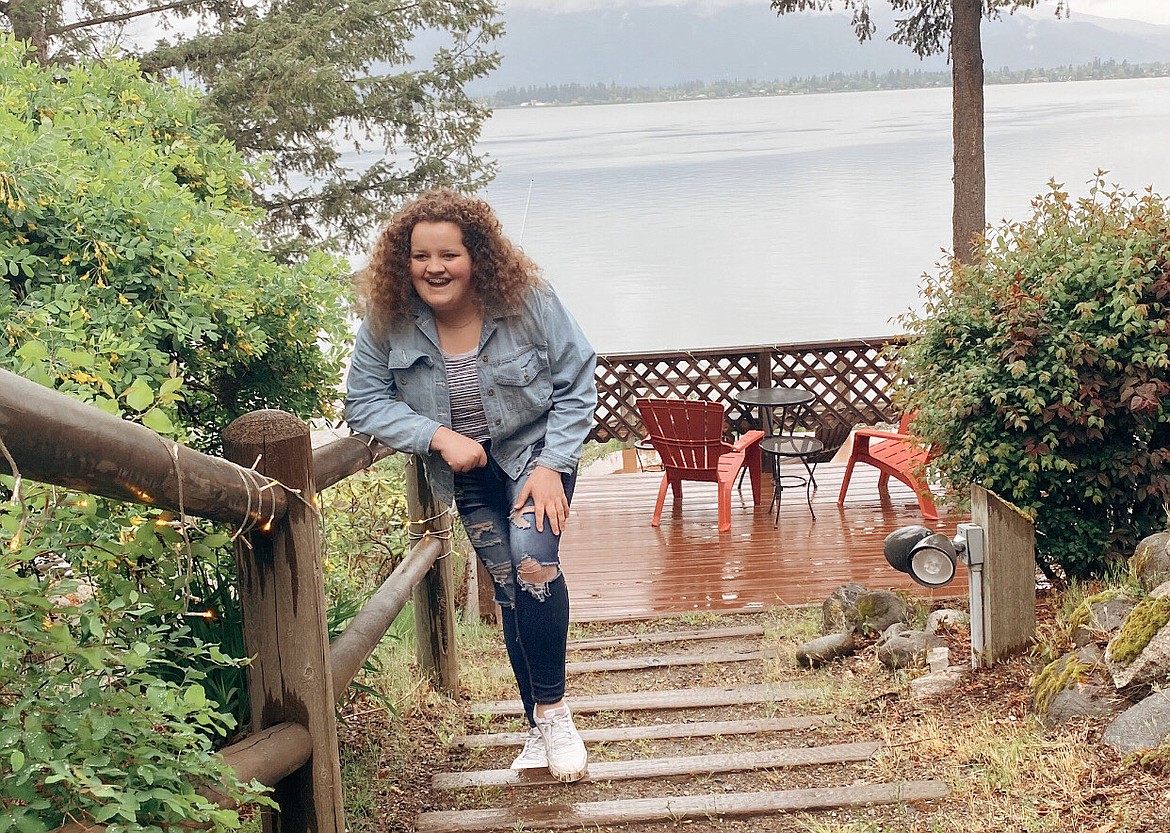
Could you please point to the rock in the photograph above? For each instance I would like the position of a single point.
(1103, 619)
(1161, 590)
(878, 609)
(946, 618)
(839, 611)
(936, 683)
(1080, 701)
(938, 659)
(1132, 663)
(900, 647)
(1092, 655)
(1141, 727)
(1150, 561)
(824, 649)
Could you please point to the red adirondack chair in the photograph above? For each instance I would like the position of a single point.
(688, 436)
(894, 454)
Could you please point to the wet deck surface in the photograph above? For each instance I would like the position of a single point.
(619, 567)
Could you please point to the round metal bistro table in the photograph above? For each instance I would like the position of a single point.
(781, 447)
(789, 402)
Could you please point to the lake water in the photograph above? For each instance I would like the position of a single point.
(776, 220)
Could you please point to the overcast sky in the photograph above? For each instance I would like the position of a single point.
(1151, 11)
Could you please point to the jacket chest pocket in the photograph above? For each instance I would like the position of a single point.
(414, 375)
(525, 382)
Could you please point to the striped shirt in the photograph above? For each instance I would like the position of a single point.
(467, 414)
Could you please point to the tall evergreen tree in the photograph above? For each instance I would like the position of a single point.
(930, 27)
(298, 80)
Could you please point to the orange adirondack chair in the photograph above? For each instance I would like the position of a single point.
(896, 455)
(688, 436)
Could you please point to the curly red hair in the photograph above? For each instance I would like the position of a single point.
(500, 269)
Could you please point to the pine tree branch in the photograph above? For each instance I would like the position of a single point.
(123, 16)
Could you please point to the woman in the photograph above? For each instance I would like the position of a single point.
(467, 358)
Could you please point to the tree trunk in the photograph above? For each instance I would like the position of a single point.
(969, 217)
(29, 22)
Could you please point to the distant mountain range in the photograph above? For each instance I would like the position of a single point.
(666, 45)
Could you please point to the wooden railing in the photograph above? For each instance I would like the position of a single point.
(266, 489)
(852, 382)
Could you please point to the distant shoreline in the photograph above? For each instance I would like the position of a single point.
(575, 95)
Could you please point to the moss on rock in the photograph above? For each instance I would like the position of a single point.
(1057, 676)
(1143, 622)
(1082, 614)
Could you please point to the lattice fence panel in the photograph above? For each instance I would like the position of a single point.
(852, 381)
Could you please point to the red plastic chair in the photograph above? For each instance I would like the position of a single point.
(688, 436)
(894, 454)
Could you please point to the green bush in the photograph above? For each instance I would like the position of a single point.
(101, 716)
(131, 277)
(1042, 373)
(130, 273)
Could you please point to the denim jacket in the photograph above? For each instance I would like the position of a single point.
(536, 379)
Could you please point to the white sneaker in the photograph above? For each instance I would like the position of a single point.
(567, 758)
(532, 756)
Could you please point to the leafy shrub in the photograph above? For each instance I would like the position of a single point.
(97, 720)
(367, 524)
(130, 274)
(1042, 372)
(131, 278)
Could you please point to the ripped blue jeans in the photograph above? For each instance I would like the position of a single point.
(534, 613)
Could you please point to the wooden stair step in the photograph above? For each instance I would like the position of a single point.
(675, 808)
(667, 661)
(659, 731)
(667, 767)
(690, 698)
(664, 637)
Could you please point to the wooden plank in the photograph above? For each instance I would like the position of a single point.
(676, 808)
(667, 767)
(640, 663)
(344, 457)
(691, 698)
(657, 731)
(664, 637)
(1009, 576)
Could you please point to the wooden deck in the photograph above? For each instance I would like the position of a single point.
(619, 567)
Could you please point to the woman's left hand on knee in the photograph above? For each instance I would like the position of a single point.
(546, 492)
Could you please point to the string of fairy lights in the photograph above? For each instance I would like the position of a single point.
(254, 517)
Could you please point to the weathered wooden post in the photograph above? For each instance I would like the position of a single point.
(434, 597)
(282, 599)
(764, 368)
(1003, 587)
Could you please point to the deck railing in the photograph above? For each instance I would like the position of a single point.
(266, 489)
(852, 382)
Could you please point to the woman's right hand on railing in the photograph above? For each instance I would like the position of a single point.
(460, 452)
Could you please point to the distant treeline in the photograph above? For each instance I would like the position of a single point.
(835, 82)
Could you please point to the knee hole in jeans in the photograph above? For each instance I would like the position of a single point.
(534, 577)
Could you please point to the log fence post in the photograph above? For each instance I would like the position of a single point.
(282, 601)
(434, 596)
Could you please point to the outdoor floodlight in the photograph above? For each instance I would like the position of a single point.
(929, 557)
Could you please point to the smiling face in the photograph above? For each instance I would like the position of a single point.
(440, 269)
